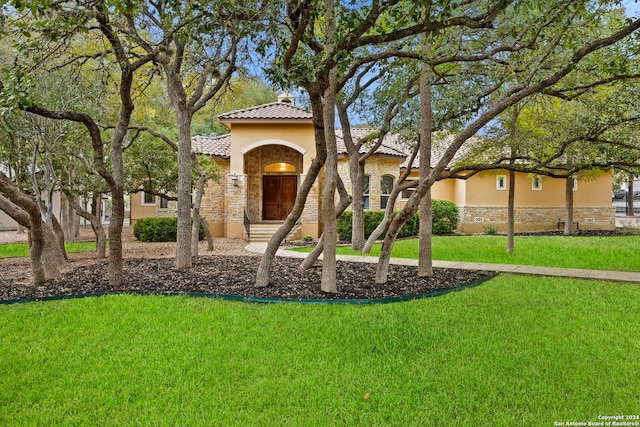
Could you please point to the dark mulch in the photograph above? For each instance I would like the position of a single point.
(235, 275)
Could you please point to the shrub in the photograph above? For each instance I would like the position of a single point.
(445, 221)
(159, 230)
(445, 217)
(307, 239)
(490, 229)
(371, 221)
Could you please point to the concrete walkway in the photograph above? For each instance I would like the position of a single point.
(606, 275)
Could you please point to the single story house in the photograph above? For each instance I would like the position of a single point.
(270, 147)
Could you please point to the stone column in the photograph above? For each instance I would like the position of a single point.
(235, 203)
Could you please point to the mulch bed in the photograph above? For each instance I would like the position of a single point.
(235, 275)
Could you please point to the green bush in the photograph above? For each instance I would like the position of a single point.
(490, 229)
(445, 217)
(159, 230)
(371, 221)
(445, 221)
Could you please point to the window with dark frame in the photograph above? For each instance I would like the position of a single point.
(365, 191)
(148, 198)
(386, 185)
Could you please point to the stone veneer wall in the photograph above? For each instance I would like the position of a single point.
(473, 219)
(310, 217)
(213, 206)
(376, 167)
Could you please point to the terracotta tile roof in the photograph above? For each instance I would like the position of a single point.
(221, 145)
(272, 111)
(471, 152)
(392, 144)
(212, 145)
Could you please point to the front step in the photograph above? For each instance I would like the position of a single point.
(262, 232)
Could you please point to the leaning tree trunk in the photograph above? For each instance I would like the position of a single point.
(264, 269)
(59, 236)
(26, 211)
(195, 227)
(94, 219)
(207, 233)
(345, 201)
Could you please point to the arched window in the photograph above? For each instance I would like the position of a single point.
(365, 191)
(386, 184)
(280, 167)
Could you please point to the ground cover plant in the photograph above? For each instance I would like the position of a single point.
(513, 351)
(590, 252)
(14, 250)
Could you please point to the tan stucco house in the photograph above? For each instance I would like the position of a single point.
(270, 147)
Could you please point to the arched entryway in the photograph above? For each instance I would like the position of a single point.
(272, 173)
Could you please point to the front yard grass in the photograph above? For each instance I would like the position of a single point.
(14, 250)
(599, 253)
(516, 350)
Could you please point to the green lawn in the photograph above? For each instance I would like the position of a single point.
(13, 250)
(599, 253)
(515, 351)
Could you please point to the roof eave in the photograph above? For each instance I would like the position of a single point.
(229, 122)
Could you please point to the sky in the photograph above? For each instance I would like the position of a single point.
(632, 7)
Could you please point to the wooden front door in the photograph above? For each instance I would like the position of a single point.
(278, 196)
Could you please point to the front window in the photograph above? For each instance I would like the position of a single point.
(536, 183)
(365, 191)
(148, 198)
(501, 182)
(386, 184)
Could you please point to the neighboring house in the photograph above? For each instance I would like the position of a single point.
(540, 201)
(7, 223)
(270, 147)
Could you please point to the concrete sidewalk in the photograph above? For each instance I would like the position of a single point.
(606, 275)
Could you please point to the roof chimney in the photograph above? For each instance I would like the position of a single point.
(287, 98)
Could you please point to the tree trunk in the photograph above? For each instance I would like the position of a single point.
(116, 187)
(511, 214)
(425, 255)
(116, 263)
(345, 201)
(264, 269)
(59, 236)
(26, 211)
(630, 196)
(356, 170)
(568, 222)
(386, 220)
(202, 180)
(94, 219)
(183, 238)
(65, 208)
(511, 203)
(328, 280)
(207, 233)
